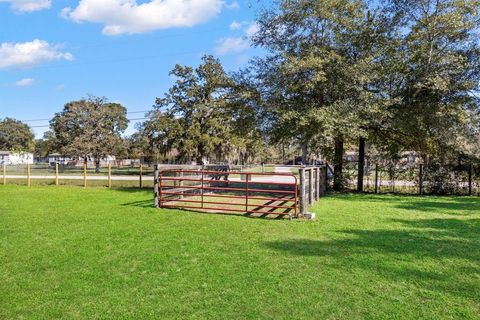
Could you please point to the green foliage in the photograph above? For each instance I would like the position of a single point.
(201, 117)
(16, 136)
(437, 74)
(89, 127)
(322, 78)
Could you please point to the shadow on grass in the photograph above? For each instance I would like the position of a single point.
(437, 204)
(139, 204)
(467, 229)
(260, 215)
(443, 206)
(439, 254)
(267, 216)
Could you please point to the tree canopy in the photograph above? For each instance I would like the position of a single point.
(390, 76)
(16, 136)
(201, 117)
(90, 127)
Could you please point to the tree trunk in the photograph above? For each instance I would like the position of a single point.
(304, 153)
(338, 164)
(97, 165)
(361, 164)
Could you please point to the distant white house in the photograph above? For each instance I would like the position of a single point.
(62, 159)
(16, 158)
(58, 158)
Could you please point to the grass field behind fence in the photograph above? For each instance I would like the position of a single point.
(77, 253)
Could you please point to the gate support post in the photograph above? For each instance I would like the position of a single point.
(325, 183)
(156, 188)
(311, 186)
(180, 184)
(303, 192)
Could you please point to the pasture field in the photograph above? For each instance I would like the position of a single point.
(74, 253)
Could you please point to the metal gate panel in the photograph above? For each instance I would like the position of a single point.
(231, 191)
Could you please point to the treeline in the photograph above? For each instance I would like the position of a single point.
(378, 77)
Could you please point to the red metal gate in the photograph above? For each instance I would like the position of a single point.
(229, 191)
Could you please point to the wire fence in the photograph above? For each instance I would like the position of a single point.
(401, 178)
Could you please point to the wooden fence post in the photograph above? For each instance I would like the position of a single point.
(470, 169)
(156, 175)
(109, 175)
(56, 174)
(311, 185)
(317, 183)
(141, 177)
(4, 174)
(323, 180)
(180, 184)
(303, 192)
(29, 181)
(420, 180)
(376, 178)
(85, 175)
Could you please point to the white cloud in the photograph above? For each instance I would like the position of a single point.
(252, 29)
(30, 54)
(231, 44)
(237, 44)
(233, 5)
(28, 5)
(129, 17)
(236, 25)
(25, 82)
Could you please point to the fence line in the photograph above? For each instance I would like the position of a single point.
(28, 174)
(313, 185)
(415, 178)
(85, 175)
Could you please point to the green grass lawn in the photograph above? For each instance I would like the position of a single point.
(73, 253)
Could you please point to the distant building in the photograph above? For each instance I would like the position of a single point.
(406, 157)
(16, 158)
(58, 158)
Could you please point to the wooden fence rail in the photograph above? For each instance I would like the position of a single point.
(313, 185)
(84, 176)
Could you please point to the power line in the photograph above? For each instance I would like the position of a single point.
(39, 120)
(48, 126)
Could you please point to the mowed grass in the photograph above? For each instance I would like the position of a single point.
(74, 253)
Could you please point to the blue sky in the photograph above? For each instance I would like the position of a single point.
(55, 51)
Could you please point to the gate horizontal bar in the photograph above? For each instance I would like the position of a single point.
(222, 209)
(231, 189)
(230, 172)
(229, 196)
(230, 203)
(233, 181)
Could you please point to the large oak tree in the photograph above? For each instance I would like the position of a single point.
(90, 127)
(16, 136)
